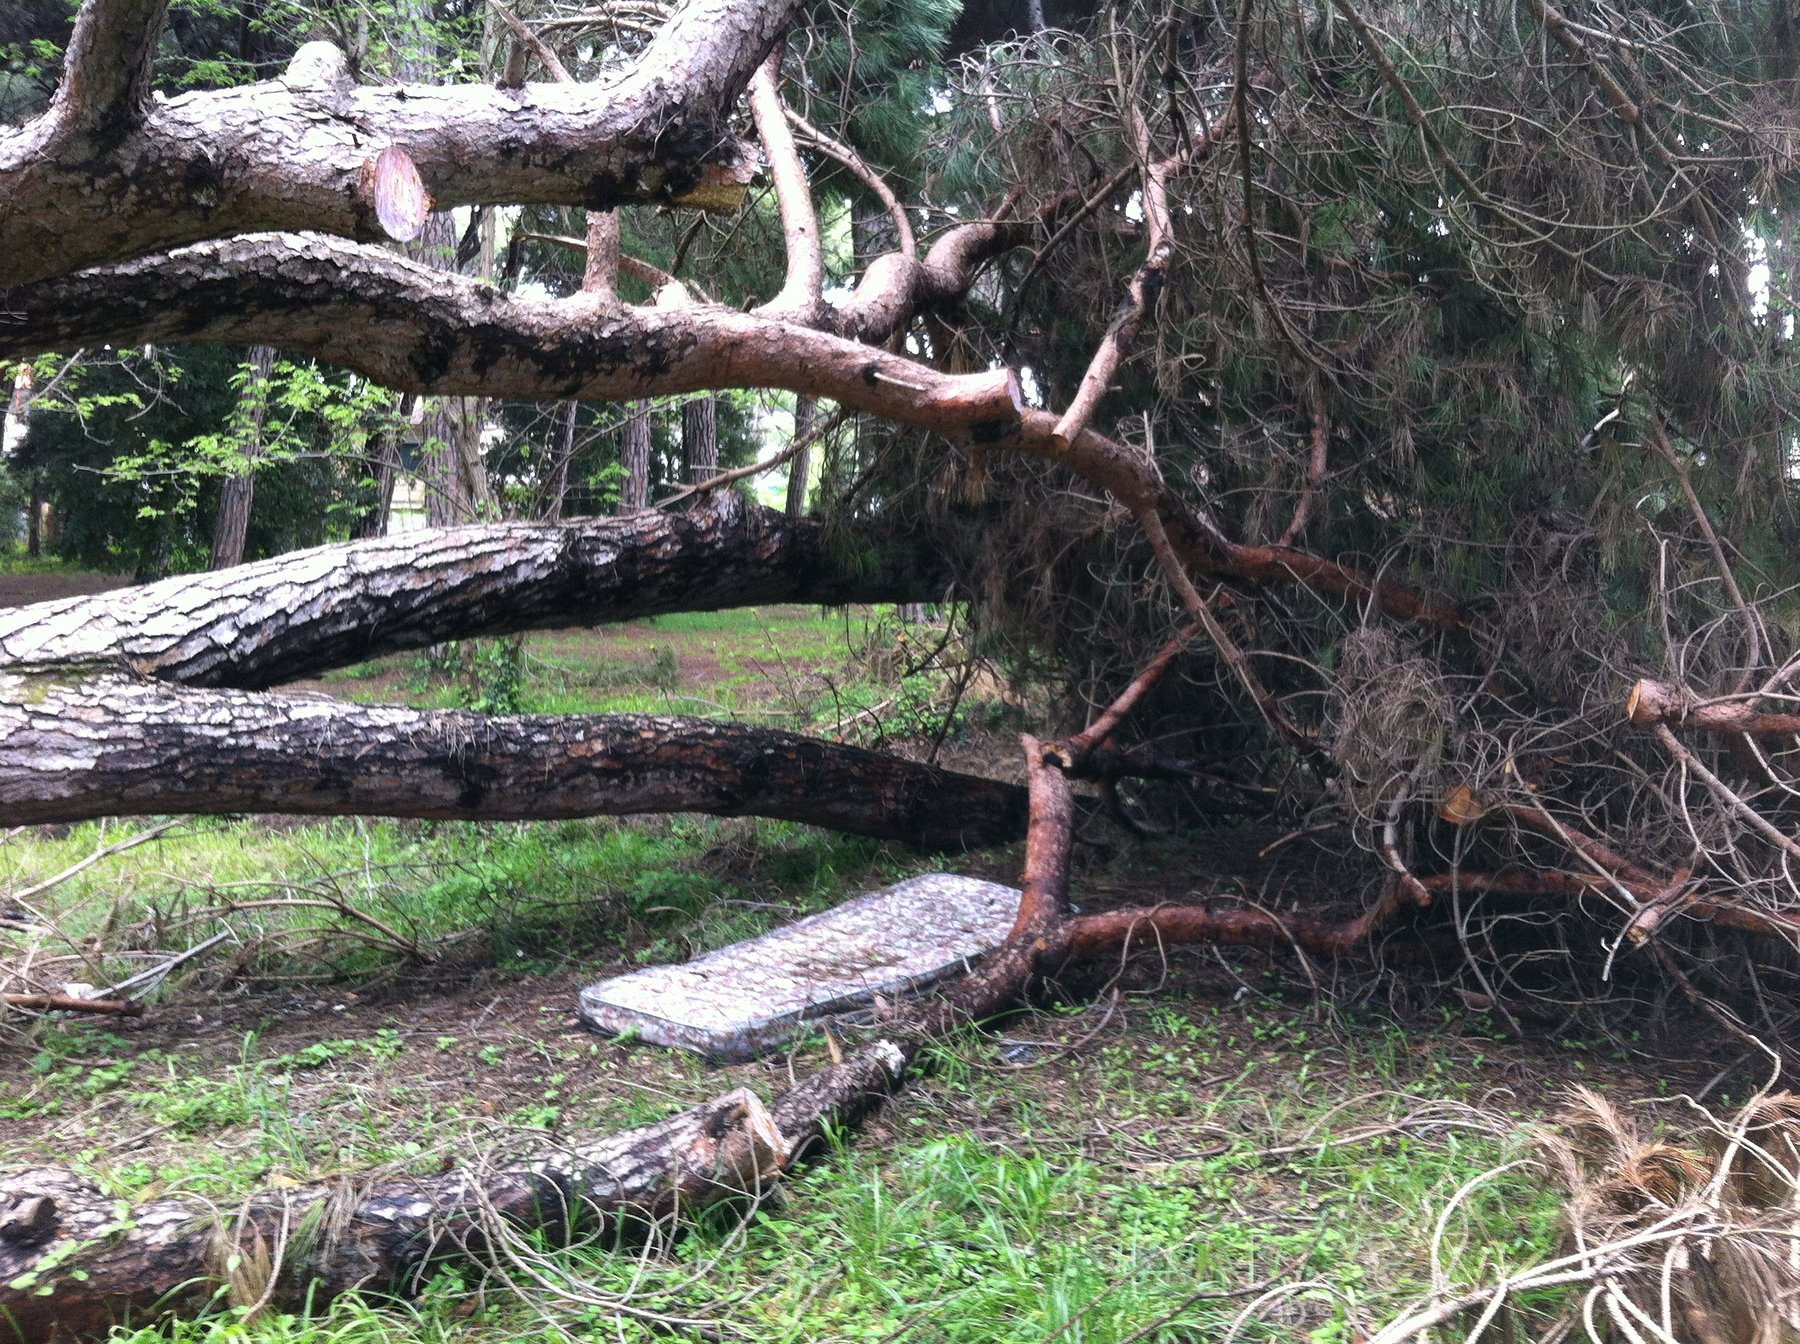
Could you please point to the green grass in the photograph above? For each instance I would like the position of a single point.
(13, 560)
(802, 668)
(1118, 1197)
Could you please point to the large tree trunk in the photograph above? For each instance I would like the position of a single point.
(239, 492)
(310, 611)
(634, 456)
(114, 746)
(700, 438)
(72, 1264)
(800, 470)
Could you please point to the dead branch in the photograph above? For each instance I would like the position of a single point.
(71, 1266)
(71, 1003)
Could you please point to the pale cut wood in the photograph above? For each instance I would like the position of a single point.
(402, 205)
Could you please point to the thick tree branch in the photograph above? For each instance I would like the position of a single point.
(425, 331)
(1657, 702)
(74, 1263)
(296, 153)
(800, 297)
(105, 88)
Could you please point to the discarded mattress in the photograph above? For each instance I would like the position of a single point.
(747, 999)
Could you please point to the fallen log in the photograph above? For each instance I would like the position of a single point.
(75, 1262)
(117, 746)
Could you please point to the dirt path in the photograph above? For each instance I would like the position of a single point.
(20, 590)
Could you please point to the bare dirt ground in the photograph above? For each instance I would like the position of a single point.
(19, 590)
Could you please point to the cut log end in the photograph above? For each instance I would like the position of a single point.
(393, 190)
(720, 190)
(1461, 806)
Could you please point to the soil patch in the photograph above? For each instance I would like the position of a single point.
(21, 590)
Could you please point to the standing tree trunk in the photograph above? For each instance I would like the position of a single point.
(700, 438)
(634, 455)
(473, 493)
(441, 451)
(18, 410)
(34, 516)
(559, 475)
(239, 493)
(800, 470)
(373, 521)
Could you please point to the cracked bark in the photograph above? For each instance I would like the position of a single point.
(274, 621)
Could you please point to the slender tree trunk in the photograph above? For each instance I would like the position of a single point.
(239, 492)
(34, 516)
(559, 475)
(373, 521)
(18, 410)
(800, 470)
(474, 494)
(700, 438)
(634, 455)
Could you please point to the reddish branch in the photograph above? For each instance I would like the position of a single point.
(1462, 806)
(1652, 896)
(1315, 474)
(1655, 702)
(1097, 733)
(1116, 931)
